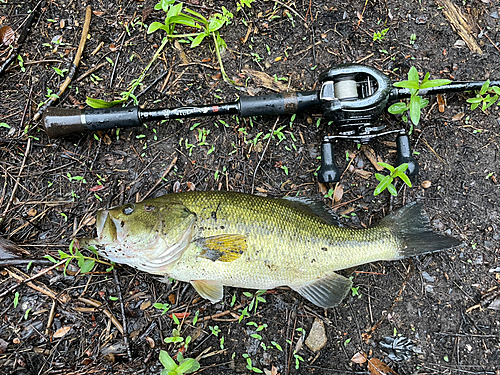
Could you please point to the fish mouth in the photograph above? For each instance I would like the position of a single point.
(106, 228)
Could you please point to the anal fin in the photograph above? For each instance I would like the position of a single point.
(326, 292)
(209, 289)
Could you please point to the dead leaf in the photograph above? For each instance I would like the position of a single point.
(338, 193)
(113, 48)
(458, 116)
(441, 103)
(322, 189)
(377, 367)
(32, 212)
(363, 174)
(177, 187)
(7, 35)
(191, 186)
(359, 357)
(61, 332)
(145, 305)
(171, 298)
(265, 80)
(98, 13)
(426, 184)
(370, 154)
(151, 342)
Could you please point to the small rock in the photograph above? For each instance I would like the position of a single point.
(428, 277)
(317, 337)
(494, 15)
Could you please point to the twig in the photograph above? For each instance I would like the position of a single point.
(73, 68)
(124, 320)
(292, 10)
(16, 185)
(90, 71)
(160, 179)
(122, 37)
(263, 153)
(92, 302)
(21, 39)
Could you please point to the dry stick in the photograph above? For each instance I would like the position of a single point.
(124, 320)
(73, 68)
(90, 71)
(174, 161)
(263, 153)
(92, 302)
(21, 40)
(16, 185)
(117, 59)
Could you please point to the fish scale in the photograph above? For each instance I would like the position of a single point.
(212, 239)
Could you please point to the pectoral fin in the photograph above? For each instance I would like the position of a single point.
(326, 292)
(209, 289)
(224, 247)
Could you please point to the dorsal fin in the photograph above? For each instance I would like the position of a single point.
(313, 207)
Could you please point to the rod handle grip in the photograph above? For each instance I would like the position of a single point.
(278, 104)
(61, 122)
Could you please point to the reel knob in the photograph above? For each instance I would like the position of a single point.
(405, 155)
(328, 172)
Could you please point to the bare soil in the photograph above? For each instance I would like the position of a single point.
(447, 304)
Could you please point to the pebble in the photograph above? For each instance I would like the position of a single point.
(317, 337)
(428, 277)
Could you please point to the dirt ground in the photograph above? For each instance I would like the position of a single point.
(447, 303)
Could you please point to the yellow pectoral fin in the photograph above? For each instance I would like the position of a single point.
(224, 247)
(209, 289)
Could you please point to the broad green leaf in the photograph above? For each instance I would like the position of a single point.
(401, 168)
(63, 255)
(4, 125)
(496, 89)
(407, 84)
(155, 26)
(386, 181)
(182, 19)
(474, 106)
(196, 42)
(484, 87)
(379, 176)
(435, 83)
(415, 109)
(392, 189)
(426, 78)
(88, 265)
(386, 166)
(474, 100)
(405, 179)
(188, 366)
(423, 103)
(167, 361)
(98, 103)
(214, 24)
(174, 10)
(398, 108)
(413, 75)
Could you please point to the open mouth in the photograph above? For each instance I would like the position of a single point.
(106, 227)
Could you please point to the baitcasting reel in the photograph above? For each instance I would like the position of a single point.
(352, 96)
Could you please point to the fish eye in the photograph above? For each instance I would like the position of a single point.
(128, 209)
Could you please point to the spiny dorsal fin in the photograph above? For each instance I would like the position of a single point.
(326, 292)
(209, 289)
(223, 247)
(313, 207)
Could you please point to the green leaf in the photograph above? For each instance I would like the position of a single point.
(155, 26)
(415, 109)
(386, 166)
(496, 89)
(182, 19)
(392, 189)
(413, 75)
(474, 100)
(174, 10)
(398, 108)
(379, 176)
(87, 266)
(99, 103)
(405, 179)
(50, 258)
(407, 84)
(167, 361)
(423, 103)
(188, 366)
(435, 83)
(4, 125)
(63, 255)
(484, 87)
(426, 78)
(197, 41)
(196, 14)
(386, 181)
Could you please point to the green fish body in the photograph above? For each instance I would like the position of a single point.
(212, 239)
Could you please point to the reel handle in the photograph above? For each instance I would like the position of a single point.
(328, 171)
(405, 155)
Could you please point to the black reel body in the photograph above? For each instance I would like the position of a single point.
(353, 97)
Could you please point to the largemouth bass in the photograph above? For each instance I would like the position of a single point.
(212, 239)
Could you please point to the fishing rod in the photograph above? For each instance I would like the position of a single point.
(351, 96)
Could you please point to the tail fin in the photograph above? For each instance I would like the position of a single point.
(411, 226)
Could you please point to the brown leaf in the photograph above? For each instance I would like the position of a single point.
(171, 298)
(338, 193)
(61, 332)
(191, 186)
(265, 80)
(458, 116)
(7, 35)
(426, 184)
(370, 154)
(32, 212)
(322, 189)
(377, 367)
(98, 13)
(441, 103)
(113, 48)
(145, 305)
(363, 174)
(359, 357)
